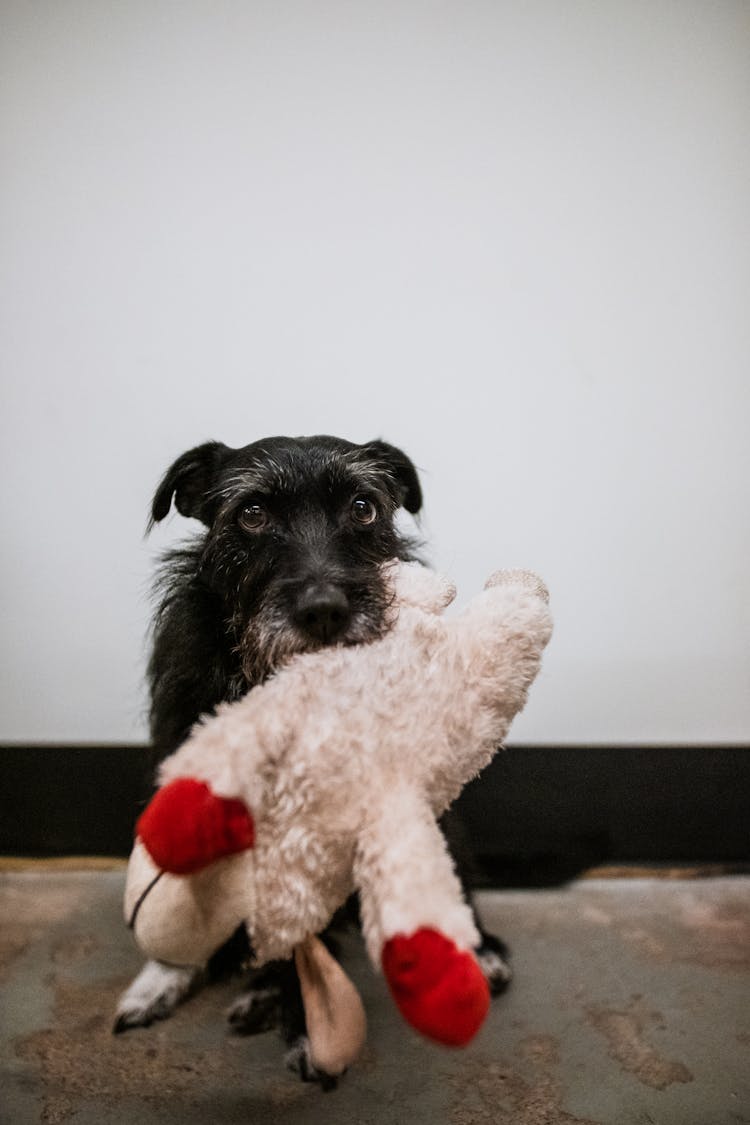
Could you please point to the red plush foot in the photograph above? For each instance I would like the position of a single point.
(186, 826)
(438, 987)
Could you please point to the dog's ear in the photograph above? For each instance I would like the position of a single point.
(398, 465)
(191, 480)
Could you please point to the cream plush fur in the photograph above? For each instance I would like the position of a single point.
(345, 758)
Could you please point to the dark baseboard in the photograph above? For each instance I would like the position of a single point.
(537, 814)
(543, 813)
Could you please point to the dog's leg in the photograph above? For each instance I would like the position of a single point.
(154, 995)
(274, 1000)
(258, 1008)
(493, 956)
(492, 953)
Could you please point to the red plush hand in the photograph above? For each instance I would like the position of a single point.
(186, 826)
(438, 987)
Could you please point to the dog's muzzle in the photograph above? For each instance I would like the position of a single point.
(322, 612)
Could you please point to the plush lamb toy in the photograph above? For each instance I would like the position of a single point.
(328, 779)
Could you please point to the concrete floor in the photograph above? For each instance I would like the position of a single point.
(631, 1003)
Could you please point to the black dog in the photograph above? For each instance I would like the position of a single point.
(296, 532)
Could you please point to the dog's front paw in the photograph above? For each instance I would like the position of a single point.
(298, 1058)
(493, 956)
(153, 995)
(256, 1011)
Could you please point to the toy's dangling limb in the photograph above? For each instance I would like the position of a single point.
(334, 1014)
(187, 883)
(416, 922)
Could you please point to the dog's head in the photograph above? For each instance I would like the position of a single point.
(297, 530)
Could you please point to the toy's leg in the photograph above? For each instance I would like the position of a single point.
(439, 989)
(186, 826)
(416, 923)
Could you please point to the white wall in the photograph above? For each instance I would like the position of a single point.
(513, 238)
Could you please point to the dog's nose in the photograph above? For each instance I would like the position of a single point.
(323, 612)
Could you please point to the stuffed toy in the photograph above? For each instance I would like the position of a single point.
(328, 779)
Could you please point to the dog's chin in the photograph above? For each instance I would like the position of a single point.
(268, 645)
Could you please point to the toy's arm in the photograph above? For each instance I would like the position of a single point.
(511, 613)
(415, 921)
(500, 638)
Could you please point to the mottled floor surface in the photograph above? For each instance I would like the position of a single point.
(631, 1003)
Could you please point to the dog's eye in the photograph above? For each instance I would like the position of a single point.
(363, 510)
(253, 517)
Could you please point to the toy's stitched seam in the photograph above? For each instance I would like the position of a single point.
(142, 899)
